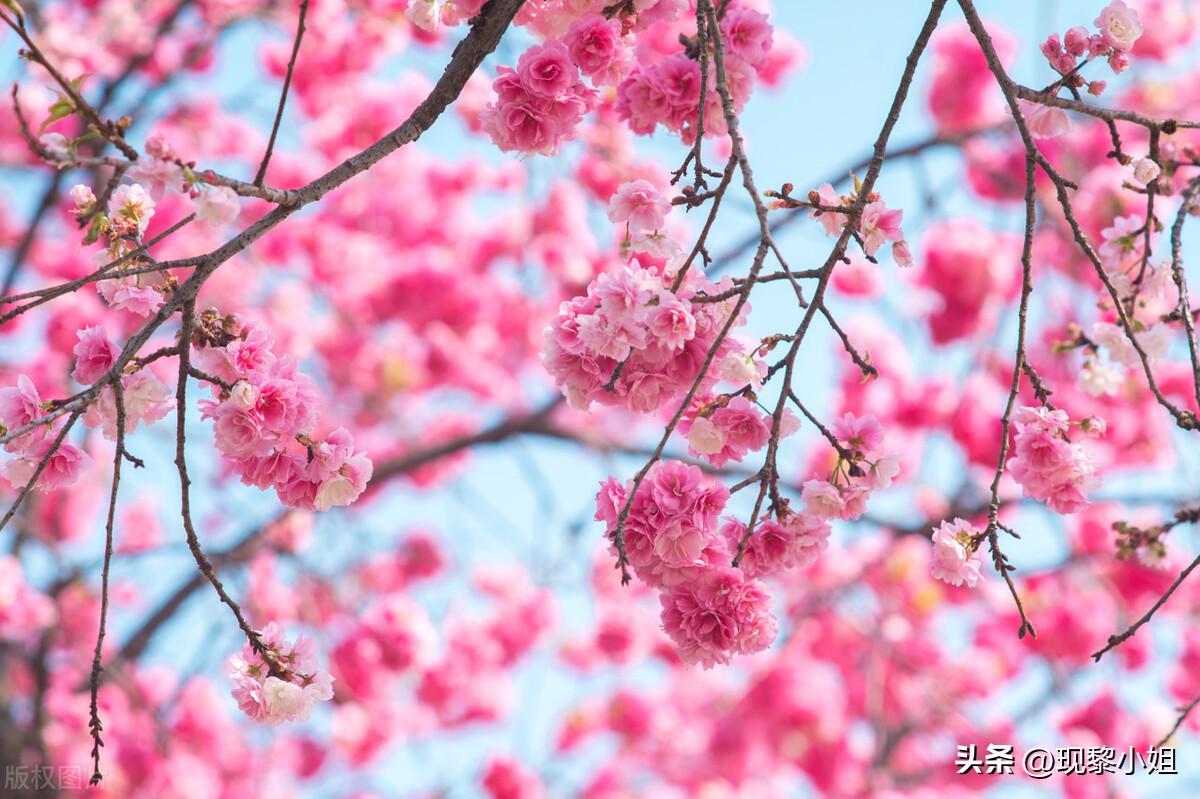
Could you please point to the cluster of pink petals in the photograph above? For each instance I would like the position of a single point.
(1048, 465)
(730, 430)
(1117, 31)
(955, 554)
(20, 405)
(667, 93)
(130, 209)
(877, 225)
(264, 425)
(600, 50)
(845, 495)
(632, 316)
(272, 699)
(721, 613)
(640, 206)
(776, 546)
(1044, 121)
(146, 399)
(710, 610)
(138, 294)
(671, 533)
(539, 104)
(94, 355)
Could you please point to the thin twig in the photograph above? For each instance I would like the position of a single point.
(283, 95)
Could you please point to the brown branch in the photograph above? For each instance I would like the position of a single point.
(1167, 126)
(109, 130)
(94, 724)
(283, 94)
(1184, 712)
(853, 213)
(193, 541)
(1184, 308)
(999, 560)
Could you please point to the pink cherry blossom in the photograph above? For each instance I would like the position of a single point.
(283, 696)
(956, 558)
(639, 204)
(717, 616)
(1044, 121)
(94, 355)
(1119, 25)
(217, 205)
(21, 405)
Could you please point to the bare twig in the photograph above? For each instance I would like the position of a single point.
(283, 94)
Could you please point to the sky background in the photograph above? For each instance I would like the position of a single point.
(531, 500)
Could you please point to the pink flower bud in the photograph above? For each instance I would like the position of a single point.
(1076, 40)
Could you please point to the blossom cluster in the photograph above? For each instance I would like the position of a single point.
(20, 406)
(667, 93)
(285, 685)
(709, 609)
(723, 428)
(676, 543)
(862, 467)
(264, 414)
(1117, 30)
(540, 103)
(124, 221)
(1048, 465)
(637, 321)
(877, 225)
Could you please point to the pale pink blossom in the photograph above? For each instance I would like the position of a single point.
(1044, 121)
(127, 293)
(1048, 466)
(955, 558)
(217, 205)
(62, 469)
(131, 208)
(879, 224)
(82, 196)
(1145, 170)
(425, 14)
(822, 499)
(56, 145)
(639, 204)
(1122, 242)
(704, 437)
(158, 175)
(861, 433)
(277, 698)
(1119, 25)
(147, 399)
(830, 221)
(21, 405)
